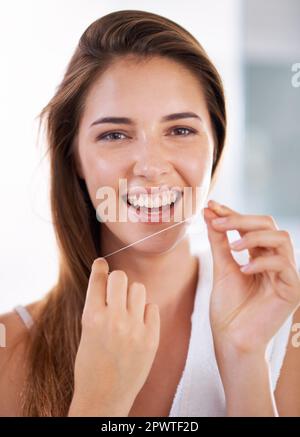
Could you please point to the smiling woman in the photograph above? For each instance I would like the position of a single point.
(169, 141)
(141, 101)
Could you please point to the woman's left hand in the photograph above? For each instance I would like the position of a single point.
(248, 307)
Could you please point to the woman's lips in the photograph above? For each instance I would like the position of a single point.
(146, 215)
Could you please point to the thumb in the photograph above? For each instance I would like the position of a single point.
(221, 253)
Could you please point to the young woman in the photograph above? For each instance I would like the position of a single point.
(165, 332)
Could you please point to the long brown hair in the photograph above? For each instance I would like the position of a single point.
(56, 334)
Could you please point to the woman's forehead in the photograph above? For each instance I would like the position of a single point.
(148, 89)
(160, 76)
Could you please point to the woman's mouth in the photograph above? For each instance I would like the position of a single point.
(153, 209)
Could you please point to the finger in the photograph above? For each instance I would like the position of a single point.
(242, 223)
(278, 240)
(276, 263)
(136, 300)
(233, 220)
(96, 291)
(219, 243)
(116, 297)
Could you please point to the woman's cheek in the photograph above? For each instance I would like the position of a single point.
(106, 182)
(196, 167)
(196, 173)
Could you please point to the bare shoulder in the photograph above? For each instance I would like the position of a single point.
(287, 393)
(13, 360)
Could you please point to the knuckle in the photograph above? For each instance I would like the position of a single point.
(138, 286)
(119, 275)
(286, 235)
(270, 220)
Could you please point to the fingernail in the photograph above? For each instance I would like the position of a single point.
(103, 261)
(246, 267)
(236, 243)
(215, 204)
(219, 221)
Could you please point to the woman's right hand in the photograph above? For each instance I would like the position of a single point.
(119, 340)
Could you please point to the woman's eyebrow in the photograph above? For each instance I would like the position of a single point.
(126, 120)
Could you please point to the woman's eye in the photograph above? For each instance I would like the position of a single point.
(110, 136)
(185, 129)
(114, 136)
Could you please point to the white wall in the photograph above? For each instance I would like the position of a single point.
(37, 40)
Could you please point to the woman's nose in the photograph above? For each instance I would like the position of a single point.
(151, 164)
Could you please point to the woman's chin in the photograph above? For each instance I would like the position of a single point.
(155, 241)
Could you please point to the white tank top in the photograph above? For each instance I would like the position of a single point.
(24, 315)
(200, 391)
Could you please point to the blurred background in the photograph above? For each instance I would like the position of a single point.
(256, 48)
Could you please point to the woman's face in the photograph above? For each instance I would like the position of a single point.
(149, 150)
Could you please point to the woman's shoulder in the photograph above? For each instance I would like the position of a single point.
(14, 328)
(14, 342)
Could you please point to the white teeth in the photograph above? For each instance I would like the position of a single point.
(166, 199)
(157, 202)
(141, 200)
(153, 201)
(147, 201)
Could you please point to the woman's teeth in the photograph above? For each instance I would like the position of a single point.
(153, 201)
